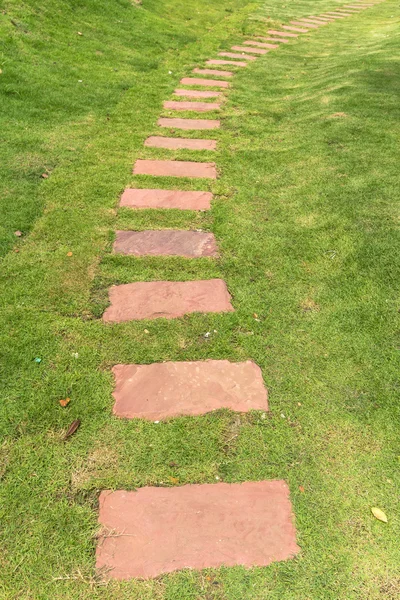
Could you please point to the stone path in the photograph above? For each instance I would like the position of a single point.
(156, 530)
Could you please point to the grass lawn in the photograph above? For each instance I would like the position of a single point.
(306, 214)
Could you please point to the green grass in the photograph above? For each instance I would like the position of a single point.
(306, 217)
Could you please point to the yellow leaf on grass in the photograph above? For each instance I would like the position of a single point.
(379, 514)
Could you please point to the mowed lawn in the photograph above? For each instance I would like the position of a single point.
(306, 214)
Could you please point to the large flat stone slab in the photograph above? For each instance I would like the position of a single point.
(234, 55)
(153, 198)
(315, 21)
(275, 40)
(156, 530)
(188, 123)
(156, 141)
(197, 93)
(216, 72)
(166, 299)
(298, 29)
(175, 168)
(260, 44)
(207, 82)
(197, 106)
(165, 242)
(250, 50)
(163, 390)
(282, 33)
(217, 61)
(307, 24)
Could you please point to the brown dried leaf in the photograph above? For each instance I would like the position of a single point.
(72, 428)
(64, 402)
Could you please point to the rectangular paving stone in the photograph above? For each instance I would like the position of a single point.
(207, 82)
(217, 72)
(197, 93)
(197, 106)
(217, 61)
(298, 29)
(322, 19)
(154, 198)
(171, 389)
(166, 299)
(157, 530)
(155, 141)
(315, 21)
(251, 50)
(165, 242)
(233, 55)
(188, 123)
(283, 33)
(175, 168)
(308, 25)
(333, 16)
(275, 40)
(260, 44)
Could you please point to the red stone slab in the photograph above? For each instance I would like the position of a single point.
(217, 72)
(207, 82)
(362, 6)
(251, 50)
(217, 61)
(316, 21)
(298, 29)
(165, 242)
(341, 12)
(180, 143)
(270, 39)
(164, 390)
(197, 106)
(175, 168)
(197, 93)
(149, 198)
(333, 16)
(167, 299)
(233, 55)
(308, 25)
(322, 19)
(260, 44)
(156, 530)
(188, 123)
(282, 33)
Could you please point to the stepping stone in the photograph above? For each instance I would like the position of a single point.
(316, 21)
(252, 50)
(166, 242)
(166, 299)
(276, 41)
(260, 44)
(298, 29)
(217, 61)
(197, 106)
(233, 55)
(322, 19)
(188, 123)
(171, 389)
(197, 93)
(175, 168)
(157, 530)
(208, 82)
(308, 25)
(148, 198)
(282, 33)
(216, 72)
(333, 16)
(180, 143)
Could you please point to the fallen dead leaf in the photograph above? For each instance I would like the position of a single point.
(69, 253)
(174, 480)
(64, 402)
(44, 176)
(18, 233)
(72, 428)
(301, 488)
(379, 514)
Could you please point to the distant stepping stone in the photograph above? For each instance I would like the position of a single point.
(166, 242)
(251, 50)
(260, 44)
(282, 33)
(233, 55)
(308, 25)
(157, 530)
(207, 82)
(217, 72)
(298, 29)
(197, 93)
(154, 198)
(313, 21)
(171, 389)
(188, 123)
(274, 40)
(197, 106)
(217, 61)
(166, 299)
(332, 16)
(175, 168)
(180, 143)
